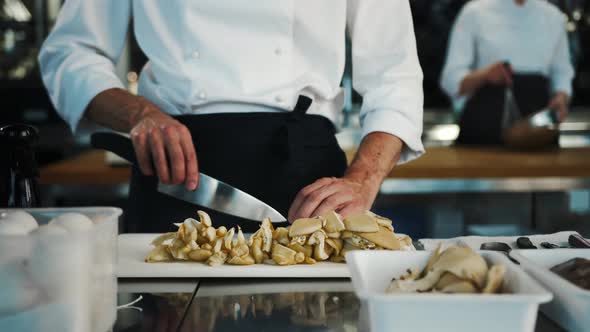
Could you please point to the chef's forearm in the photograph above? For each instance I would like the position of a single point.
(377, 155)
(117, 109)
(472, 82)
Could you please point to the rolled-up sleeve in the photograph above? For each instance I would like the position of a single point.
(561, 71)
(386, 71)
(78, 58)
(460, 53)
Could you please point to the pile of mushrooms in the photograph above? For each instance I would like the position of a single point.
(454, 270)
(306, 241)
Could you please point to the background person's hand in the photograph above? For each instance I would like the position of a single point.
(499, 73)
(163, 143)
(559, 102)
(343, 195)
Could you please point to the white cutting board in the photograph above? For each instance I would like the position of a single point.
(134, 247)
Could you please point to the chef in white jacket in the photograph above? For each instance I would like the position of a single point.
(227, 91)
(529, 35)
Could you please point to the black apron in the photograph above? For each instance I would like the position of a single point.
(481, 120)
(268, 155)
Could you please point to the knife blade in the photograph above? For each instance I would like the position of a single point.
(211, 193)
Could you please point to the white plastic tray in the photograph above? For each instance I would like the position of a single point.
(372, 272)
(134, 247)
(571, 304)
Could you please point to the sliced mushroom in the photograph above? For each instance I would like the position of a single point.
(306, 250)
(495, 279)
(318, 240)
(336, 244)
(211, 234)
(217, 258)
(304, 226)
(265, 233)
(334, 235)
(218, 245)
(243, 260)
(200, 255)
(221, 231)
(281, 235)
(283, 255)
(159, 254)
(359, 242)
(446, 279)
(309, 260)
(301, 240)
(299, 257)
(204, 217)
(383, 238)
(207, 246)
(362, 223)
(460, 287)
(163, 238)
(228, 239)
(337, 259)
(256, 249)
(334, 223)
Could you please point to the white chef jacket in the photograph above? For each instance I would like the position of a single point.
(532, 37)
(212, 56)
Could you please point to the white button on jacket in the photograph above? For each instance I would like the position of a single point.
(240, 60)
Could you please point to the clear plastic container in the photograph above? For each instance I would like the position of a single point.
(513, 311)
(60, 282)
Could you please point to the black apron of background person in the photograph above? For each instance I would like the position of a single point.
(481, 120)
(268, 155)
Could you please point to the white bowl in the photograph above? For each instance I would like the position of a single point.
(372, 271)
(571, 305)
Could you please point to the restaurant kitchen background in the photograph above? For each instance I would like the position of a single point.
(428, 208)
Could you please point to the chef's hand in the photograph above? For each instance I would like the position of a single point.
(559, 102)
(498, 74)
(164, 145)
(355, 192)
(343, 195)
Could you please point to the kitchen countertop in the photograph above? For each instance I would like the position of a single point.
(215, 305)
(90, 168)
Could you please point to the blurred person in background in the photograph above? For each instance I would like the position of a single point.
(496, 44)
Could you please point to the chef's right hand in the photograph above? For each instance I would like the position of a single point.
(499, 73)
(164, 146)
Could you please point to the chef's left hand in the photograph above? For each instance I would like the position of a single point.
(344, 195)
(559, 102)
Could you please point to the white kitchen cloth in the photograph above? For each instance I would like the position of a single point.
(475, 242)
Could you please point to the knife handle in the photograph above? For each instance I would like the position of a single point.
(118, 144)
(577, 241)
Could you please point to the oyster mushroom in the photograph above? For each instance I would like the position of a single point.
(200, 255)
(318, 239)
(304, 226)
(241, 247)
(256, 248)
(383, 238)
(361, 223)
(463, 262)
(283, 255)
(163, 238)
(210, 234)
(495, 279)
(159, 254)
(221, 231)
(333, 223)
(217, 258)
(307, 250)
(228, 239)
(335, 244)
(334, 235)
(265, 233)
(462, 286)
(241, 260)
(281, 235)
(204, 218)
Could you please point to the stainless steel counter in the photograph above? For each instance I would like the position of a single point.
(217, 305)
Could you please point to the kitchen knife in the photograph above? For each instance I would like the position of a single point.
(211, 193)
